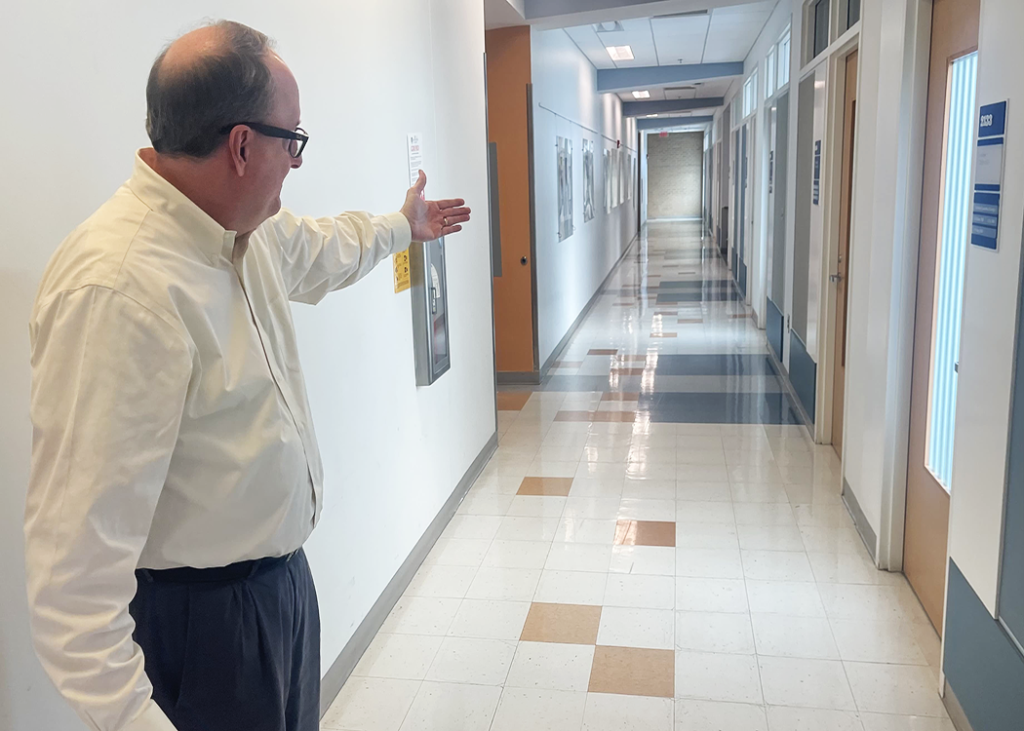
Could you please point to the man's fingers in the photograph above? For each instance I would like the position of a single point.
(455, 211)
(450, 230)
(456, 219)
(450, 203)
(421, 182)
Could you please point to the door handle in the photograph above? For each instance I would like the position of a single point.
(835, 278)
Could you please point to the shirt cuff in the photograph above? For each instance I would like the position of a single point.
(401, 234)
(151, 719)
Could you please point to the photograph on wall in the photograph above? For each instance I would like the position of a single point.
(623, 172)
(588, 180)
(607, 181)
(632, 176)
(564, 188)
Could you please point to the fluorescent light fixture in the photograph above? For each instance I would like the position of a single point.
(644, 94)
(620, 53)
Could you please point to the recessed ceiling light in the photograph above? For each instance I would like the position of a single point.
(620, 53)
(644, 94)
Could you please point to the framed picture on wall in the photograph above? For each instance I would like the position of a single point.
(607, 180)
(588, 180)
(564, 146)
(615, 191)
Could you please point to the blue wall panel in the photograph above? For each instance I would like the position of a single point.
(741, 278)
(773, 329)
(982, 665)
(803, 373)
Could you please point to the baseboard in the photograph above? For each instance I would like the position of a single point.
(518, 378)
(557, 352)
(867, 533)
(345, 663)
(956, 712)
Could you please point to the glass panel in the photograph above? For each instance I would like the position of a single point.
(769, 73)
(821, 10)
(949, 275)
(784, 60)
(753, 91)
(852, 13)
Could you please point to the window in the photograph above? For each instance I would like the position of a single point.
(949, 274)
(820, 13)
(769, 73)
(750, 92)
(784, 60)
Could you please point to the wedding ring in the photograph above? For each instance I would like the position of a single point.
(446, 221)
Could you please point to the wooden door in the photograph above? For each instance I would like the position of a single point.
(954, 34)
(841, 278)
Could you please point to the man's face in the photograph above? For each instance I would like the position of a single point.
(270, 160)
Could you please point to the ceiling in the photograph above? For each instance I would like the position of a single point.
(717, 35)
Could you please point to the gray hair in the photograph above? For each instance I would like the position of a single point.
(188, 108)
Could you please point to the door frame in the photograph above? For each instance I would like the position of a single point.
(832, 185)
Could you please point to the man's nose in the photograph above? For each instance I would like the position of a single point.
(296, 162)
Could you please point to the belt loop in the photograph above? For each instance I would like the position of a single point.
(255, 567)
(144, 573)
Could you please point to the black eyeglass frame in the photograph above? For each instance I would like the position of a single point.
(298, 134)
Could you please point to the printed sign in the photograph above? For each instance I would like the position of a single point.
(403, 279)
(817, 171)
(988, 175)
(415, 157)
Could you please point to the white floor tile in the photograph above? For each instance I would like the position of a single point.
(579, 557)
(606, 712)
(606, 489)
(899, 689)
(401, 657)
(776, 566)
(649, 490)
(551, 666)
(421, 616)
(712, 563)
(864, 640)
(764, 514)
(517, 554)
(812, 719)
(851, 601)
(465, 660)
(704, 512)
(716, 716)
(714, 632)
(629, 627)
(489, 619)
(537, 506)
(640, 591)
(717, 492)
(514, 585)
(886, 722)
(539, 710)
(597, 508)
(475, 527)
(849, 568)
(770, 538)
(485, 503)
(571, 587)
(711, 595)
(785, 636)
(457, 552)
(371, 704)
(717, 677)
(707, 535)
(799, 599)
(452, 707)
(513, 528)
(648, 560)
(805, 683)
(655, 510)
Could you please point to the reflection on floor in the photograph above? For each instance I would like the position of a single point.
(656, 546)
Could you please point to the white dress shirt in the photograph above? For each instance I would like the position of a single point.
(170, 417)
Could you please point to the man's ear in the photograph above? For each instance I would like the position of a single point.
(239, 141)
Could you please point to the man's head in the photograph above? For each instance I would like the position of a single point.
(203, 91)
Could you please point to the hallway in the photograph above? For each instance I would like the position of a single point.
(656, 545)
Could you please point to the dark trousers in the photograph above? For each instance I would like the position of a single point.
(234, 648)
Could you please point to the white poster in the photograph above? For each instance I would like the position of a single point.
(588, 180)
(615, 191)
(564, 146)
(607, 181)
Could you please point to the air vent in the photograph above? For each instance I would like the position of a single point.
(680, 88)
(687, 14)
(611, 27)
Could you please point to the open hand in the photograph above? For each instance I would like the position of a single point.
(430, 220)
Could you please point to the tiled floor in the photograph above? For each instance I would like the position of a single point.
(656, 546)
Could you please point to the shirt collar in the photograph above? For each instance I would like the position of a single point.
(160, 196)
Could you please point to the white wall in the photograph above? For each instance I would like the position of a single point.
(369, 73)
(883, 261)
(992, 279)
(566, 104)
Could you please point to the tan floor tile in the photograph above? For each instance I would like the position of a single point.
(664, 335)
(546, 486)
(606, 416)
(633, 671)
(574, 624)
(645, 533)
(619, 396)
(690, 320)
(628, 371)
(602, 351)
(513, 400)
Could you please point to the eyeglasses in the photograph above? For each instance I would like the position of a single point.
(297, 138)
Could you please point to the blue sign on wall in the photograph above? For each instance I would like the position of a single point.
(988, 175)
(817, 171)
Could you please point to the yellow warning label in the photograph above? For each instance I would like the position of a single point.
(402, 277)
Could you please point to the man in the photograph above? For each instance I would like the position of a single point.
(175, 472)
